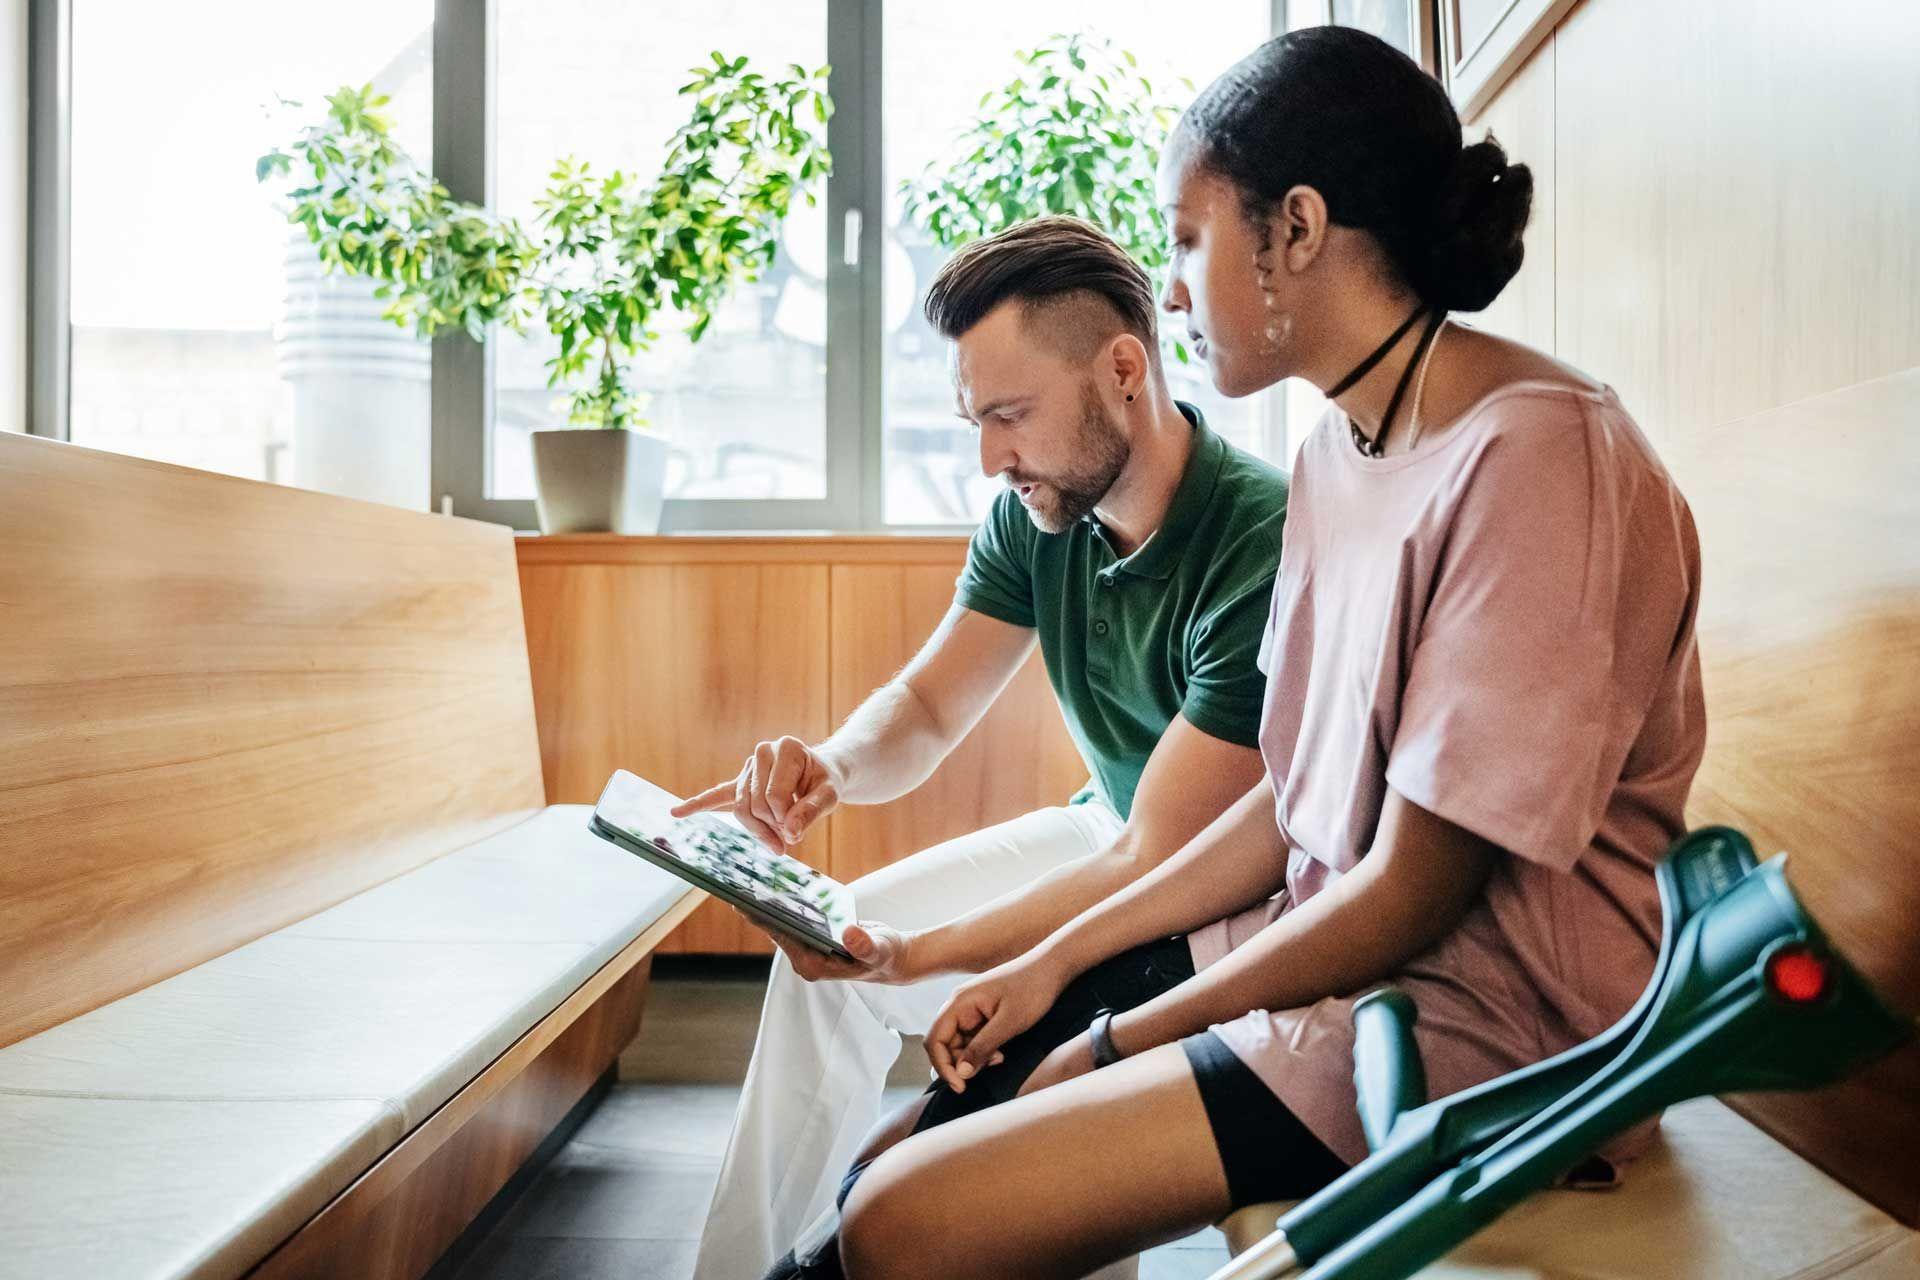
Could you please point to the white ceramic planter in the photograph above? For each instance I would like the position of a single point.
(599, 481)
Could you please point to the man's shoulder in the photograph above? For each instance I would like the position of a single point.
(1249, 501)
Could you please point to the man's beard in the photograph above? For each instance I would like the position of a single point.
(1100, 451)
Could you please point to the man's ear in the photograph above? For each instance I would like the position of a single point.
(1296, 230)
(1129, 364)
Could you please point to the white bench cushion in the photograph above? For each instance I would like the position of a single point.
(279, 1072)
(152, 1187)
(1714, 1199)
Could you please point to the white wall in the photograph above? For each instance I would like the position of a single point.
(13, 214)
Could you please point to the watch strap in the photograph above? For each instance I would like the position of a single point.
(1100, 1034)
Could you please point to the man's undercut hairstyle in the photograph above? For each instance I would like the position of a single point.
(1076, 286)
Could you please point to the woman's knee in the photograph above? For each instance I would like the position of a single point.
(889, 1224)
(893, 1129)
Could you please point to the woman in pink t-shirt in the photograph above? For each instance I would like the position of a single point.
(1483, 714)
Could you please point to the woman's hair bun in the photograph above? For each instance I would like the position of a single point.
(1344, 112)
(1474, 246)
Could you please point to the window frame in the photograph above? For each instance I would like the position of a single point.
(462, 370)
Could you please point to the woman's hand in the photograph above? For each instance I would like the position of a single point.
(987, 1012)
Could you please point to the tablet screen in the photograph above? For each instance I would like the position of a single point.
(713, 849)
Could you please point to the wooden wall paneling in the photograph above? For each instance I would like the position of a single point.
(1522, 119)
(1735, 191)
(1810, 649)
(397, 1218)
(1018, 758)
(1738, 191)
(226, 705)
(675, 671)
(1484, 42)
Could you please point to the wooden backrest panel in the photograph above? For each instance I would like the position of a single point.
(226, 705)
(1809, 520)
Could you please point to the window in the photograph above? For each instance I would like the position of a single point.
(189, 322)
(744, 411)
(932, 465)
(201, 329)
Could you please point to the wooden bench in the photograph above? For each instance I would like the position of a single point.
(1810, 647)
(296, 964)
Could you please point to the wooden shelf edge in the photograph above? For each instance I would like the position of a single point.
(828, 549)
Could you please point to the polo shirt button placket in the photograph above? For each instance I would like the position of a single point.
(1107, 580)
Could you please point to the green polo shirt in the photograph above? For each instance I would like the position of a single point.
(1132, 641)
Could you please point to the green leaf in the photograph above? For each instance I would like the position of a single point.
(608, 252)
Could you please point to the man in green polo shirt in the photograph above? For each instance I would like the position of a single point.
(1138, 550)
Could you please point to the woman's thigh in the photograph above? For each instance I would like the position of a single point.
(1056, 1183)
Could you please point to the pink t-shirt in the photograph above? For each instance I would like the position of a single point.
(1500, 627)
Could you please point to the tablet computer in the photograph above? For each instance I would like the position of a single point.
(712, 851)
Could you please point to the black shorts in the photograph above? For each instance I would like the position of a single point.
(1119, 983)
(1268, 1153)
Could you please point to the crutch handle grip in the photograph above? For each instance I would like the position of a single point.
(1389, 1078)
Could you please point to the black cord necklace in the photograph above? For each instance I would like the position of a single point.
(1365, 367)
(1377, 446)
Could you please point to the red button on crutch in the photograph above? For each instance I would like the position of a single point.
(1797, 975)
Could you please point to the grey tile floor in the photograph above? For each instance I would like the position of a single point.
(626, 1198)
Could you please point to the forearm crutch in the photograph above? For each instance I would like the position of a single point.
(1745, 994)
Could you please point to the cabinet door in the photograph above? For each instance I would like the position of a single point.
(675, 672)
(1018, 757)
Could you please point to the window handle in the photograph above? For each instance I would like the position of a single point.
(850, 239)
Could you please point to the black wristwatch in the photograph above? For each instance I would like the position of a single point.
(1101, 1036)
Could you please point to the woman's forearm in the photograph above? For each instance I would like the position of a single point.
(1235, 862)
(1396, 903)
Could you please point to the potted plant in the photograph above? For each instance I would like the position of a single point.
(1078, 131)
(606, 260)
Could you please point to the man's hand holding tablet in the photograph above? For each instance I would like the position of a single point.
(782, 790)
(778, 892)
(808, 915)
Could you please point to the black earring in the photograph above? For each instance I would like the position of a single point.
(1129, 399)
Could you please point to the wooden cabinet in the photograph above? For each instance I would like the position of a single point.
(673, 671)
(1017, 758)
(673, 656)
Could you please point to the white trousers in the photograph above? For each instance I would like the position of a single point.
(813, 1088)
